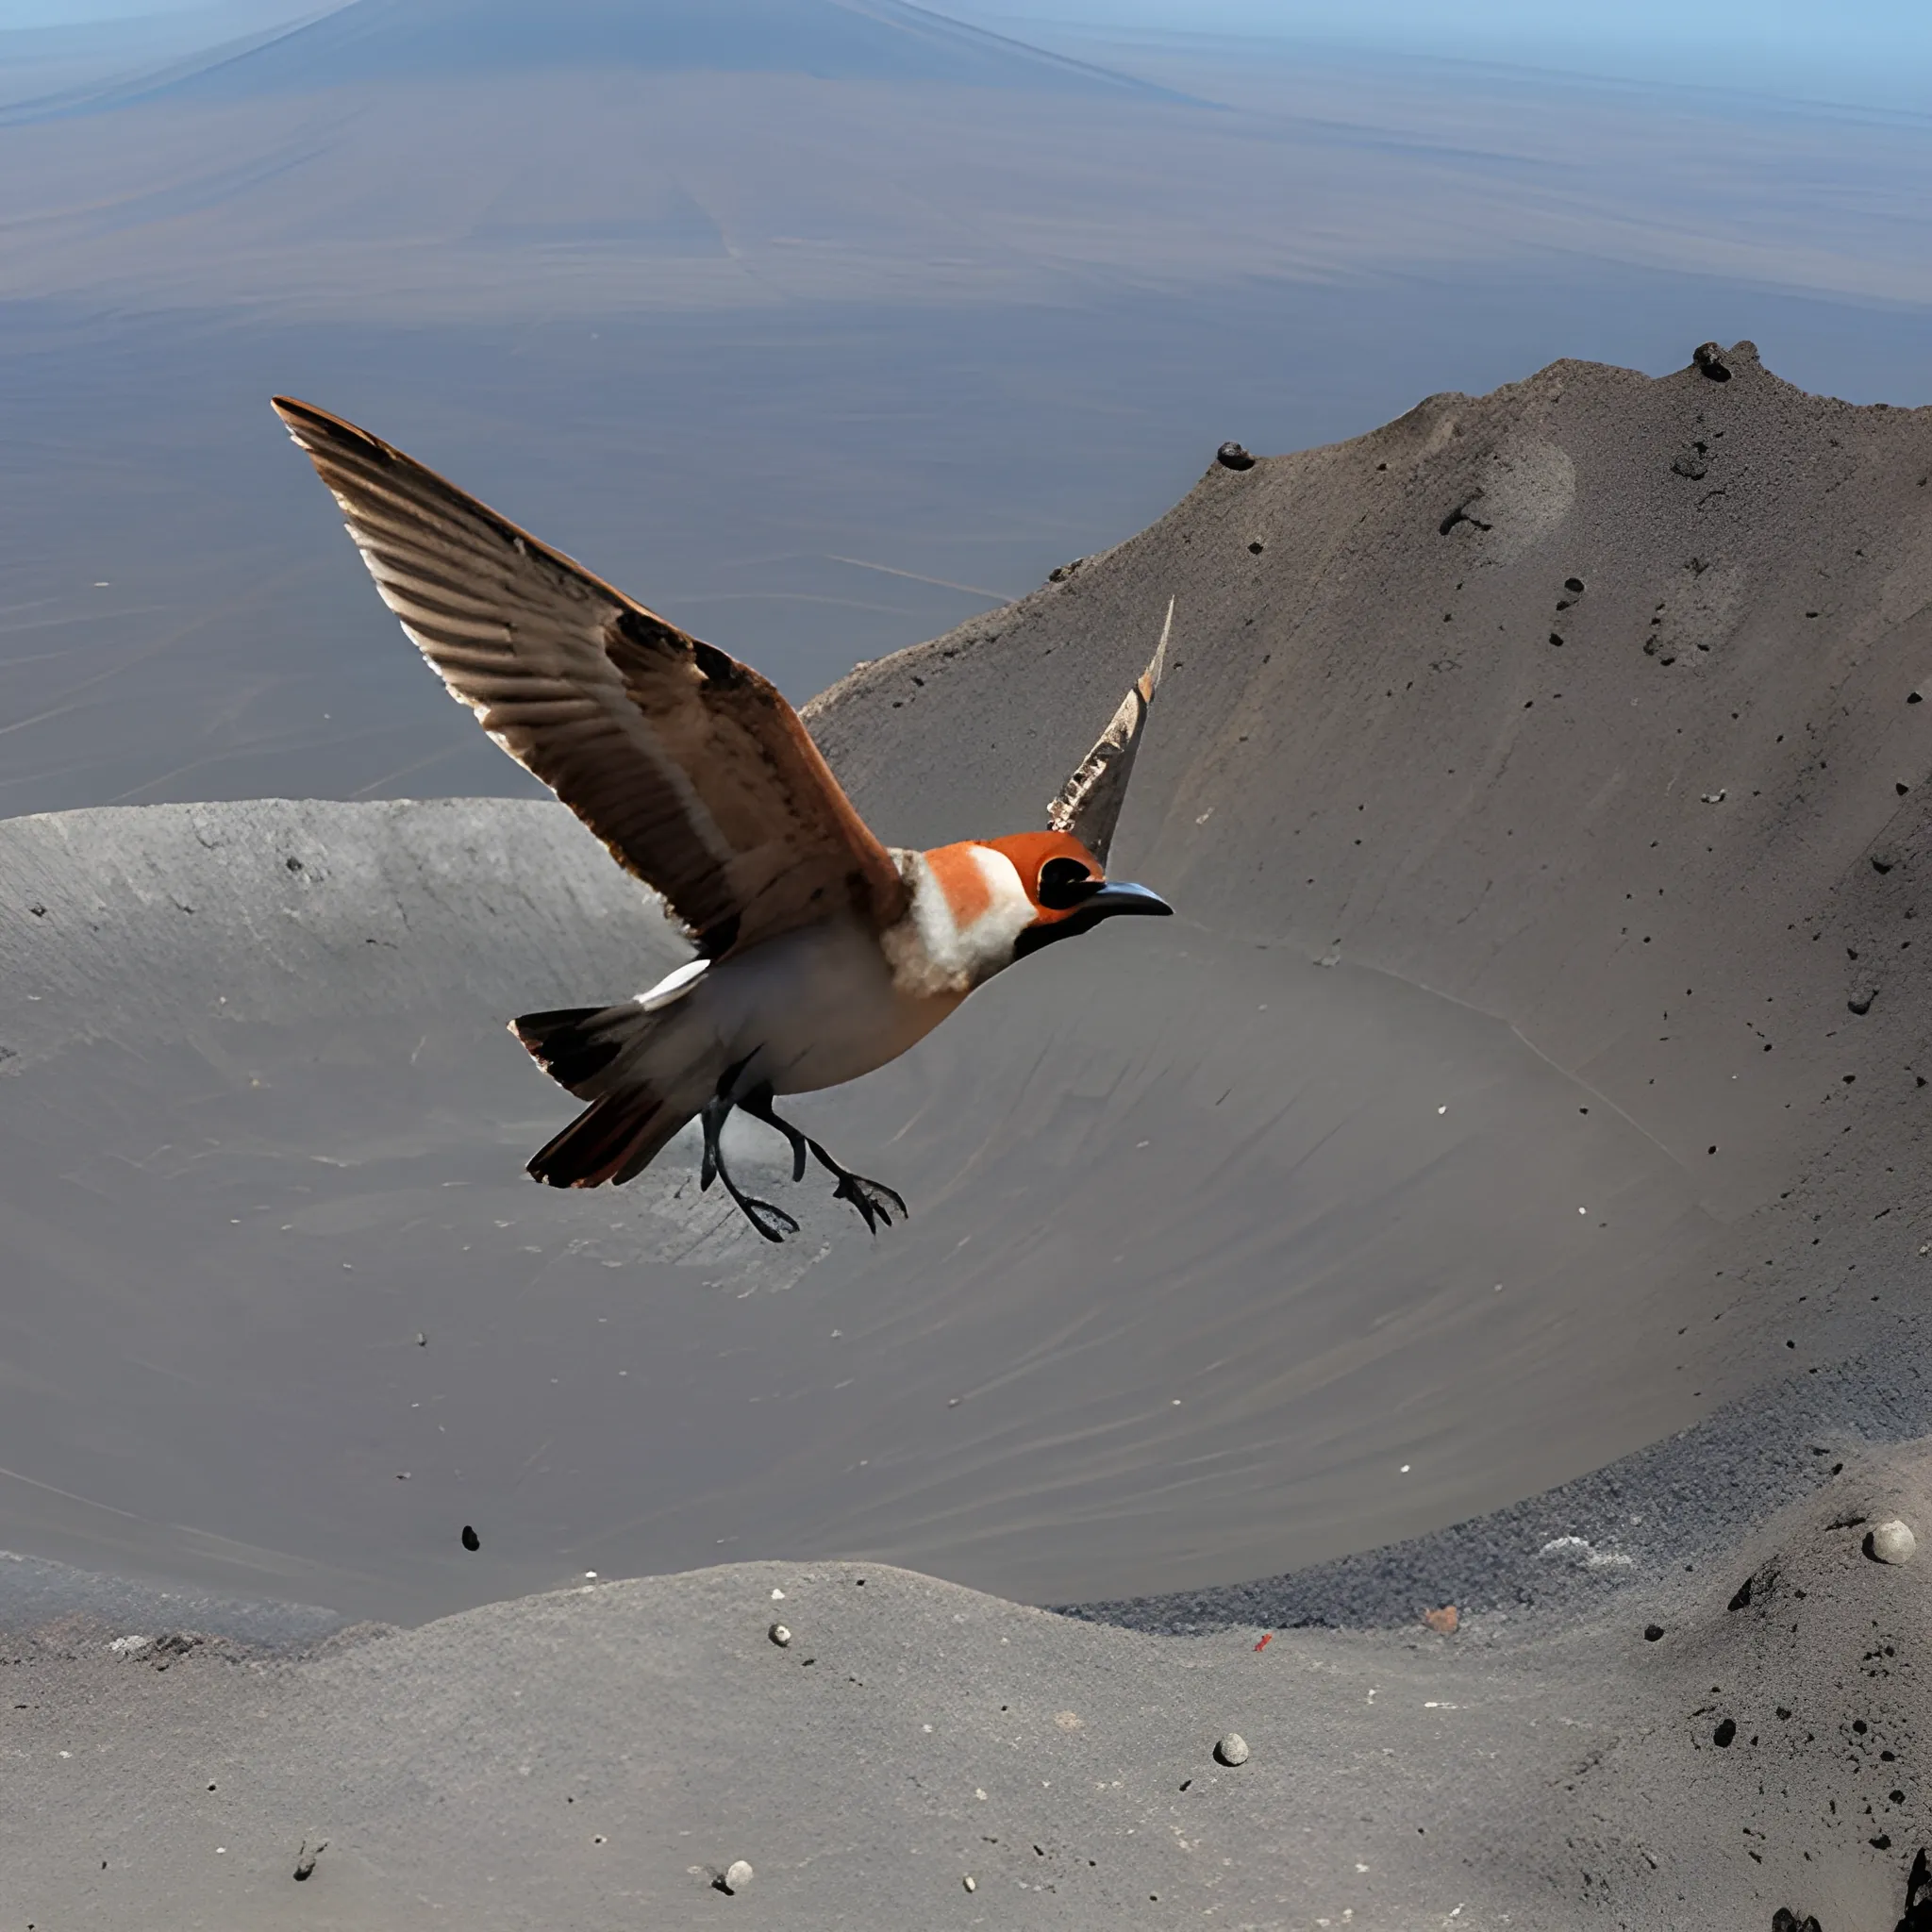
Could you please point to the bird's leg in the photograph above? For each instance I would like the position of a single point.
(757, 1103)
(873, 1199)
(772, 1222)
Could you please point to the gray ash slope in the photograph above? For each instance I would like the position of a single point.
(1186, 1280)
(1594, 703)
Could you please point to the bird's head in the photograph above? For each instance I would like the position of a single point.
(1067, 889)
(979, 905)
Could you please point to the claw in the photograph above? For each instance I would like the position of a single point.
(892, 1194)
(756, 1212)
(846, 1191)
(872, 1199)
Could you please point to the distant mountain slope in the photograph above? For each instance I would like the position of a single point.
(439, 39)
(38, 62)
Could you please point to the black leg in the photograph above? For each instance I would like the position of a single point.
(772, 1222)
(757, 1103)
(874, 1200)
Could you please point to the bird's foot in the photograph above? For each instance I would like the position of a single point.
(772, 1222)
(874, 1201)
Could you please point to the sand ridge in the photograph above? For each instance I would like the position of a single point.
(1714, 1747)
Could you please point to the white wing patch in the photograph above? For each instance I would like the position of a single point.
(674, 986)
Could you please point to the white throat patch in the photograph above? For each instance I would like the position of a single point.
(932, 952)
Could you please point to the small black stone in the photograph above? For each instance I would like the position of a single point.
(1708, 357)
(1231, 456)
(471, 1539)
(1723, 1734)
(1651, 1632)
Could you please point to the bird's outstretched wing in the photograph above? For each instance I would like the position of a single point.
(1089, 804)
(690, 767)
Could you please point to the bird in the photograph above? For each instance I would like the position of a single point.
(819, 953)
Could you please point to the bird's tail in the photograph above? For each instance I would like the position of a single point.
(590, 1050)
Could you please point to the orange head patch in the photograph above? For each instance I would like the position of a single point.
(956, 872)
(1053, 866)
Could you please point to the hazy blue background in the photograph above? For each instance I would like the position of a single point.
(1869, 51)
(1876, 52)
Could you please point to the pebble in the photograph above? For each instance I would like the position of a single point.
(1231, 456)
(779, 1635)
(1710, 358)
(1577, 1549)
(1892, 1543)
(971, 1884)
(737, 1876)
(471, 1539)
(1232, 1749)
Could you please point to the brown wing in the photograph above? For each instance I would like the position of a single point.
(689, 765)
(1089, 804)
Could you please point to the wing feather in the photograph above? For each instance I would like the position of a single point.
(1089, 804)
(691, 768)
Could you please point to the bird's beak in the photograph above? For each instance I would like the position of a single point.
(1117, 896)
(1103, 902)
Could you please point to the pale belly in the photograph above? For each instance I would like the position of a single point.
(813, 1009)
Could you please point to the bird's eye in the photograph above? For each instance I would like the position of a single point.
(1063, 883)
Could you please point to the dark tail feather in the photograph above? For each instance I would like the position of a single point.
(627, 1121)
(564, 1044)
(612, 1140)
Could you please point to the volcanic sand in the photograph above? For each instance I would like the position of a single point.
(1529, 1077)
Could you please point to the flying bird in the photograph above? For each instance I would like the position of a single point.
(819, 953)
